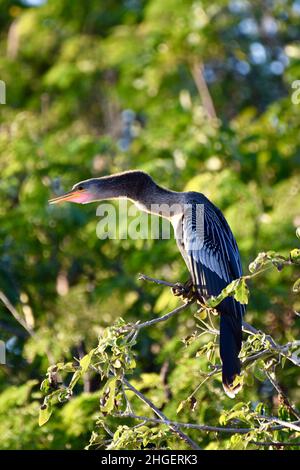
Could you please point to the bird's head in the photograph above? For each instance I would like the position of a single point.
(127, 184)
(81, 193)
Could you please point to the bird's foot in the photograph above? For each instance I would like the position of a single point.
(184, 291)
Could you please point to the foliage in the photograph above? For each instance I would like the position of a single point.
(97, 87)
(113, 359)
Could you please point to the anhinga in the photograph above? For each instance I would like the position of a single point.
(212, 256)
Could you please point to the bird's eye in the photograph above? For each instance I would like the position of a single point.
(80, 188)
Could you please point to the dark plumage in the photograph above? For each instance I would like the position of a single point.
(213, 264)
(209, 249)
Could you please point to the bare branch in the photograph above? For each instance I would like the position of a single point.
(139, 326)
(202, 427)
(15, 313)
(275, 444)
(254, 357)
(286, 424)
(198, 76)
(284, 351)
(289, 405)
(144, 277)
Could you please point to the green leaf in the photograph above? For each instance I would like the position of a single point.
(86, 360)
(237, 441)
(45, 386)
(223, 419)
(259, 261)
(201, 314)
(238, 288)
(259, 372)
(181, 406)
(228, 290)
(76, 376)
(295, 255)
(241, 293)
(44, 414)
(296, 286)
(239, 406)
(283, 361)
(109, 395)
(132, 364)
(260, 408)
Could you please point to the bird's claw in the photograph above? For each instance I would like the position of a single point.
(178, 290)
(184, 291)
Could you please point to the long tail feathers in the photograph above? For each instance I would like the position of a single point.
(230, 346)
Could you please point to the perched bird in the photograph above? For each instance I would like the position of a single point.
(209, 248)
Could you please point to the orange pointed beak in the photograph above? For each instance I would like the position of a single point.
(71, 196)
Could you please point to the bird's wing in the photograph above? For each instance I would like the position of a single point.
(213, 259)
(210, 248)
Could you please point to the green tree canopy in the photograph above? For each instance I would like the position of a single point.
(198, 94)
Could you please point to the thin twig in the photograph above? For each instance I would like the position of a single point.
(165, 317)
(275, 444)
(254, 357)
(200, 427)
(287, 424)
(144, 277)
(15, 313)
(284, 350)
(289, 405)
(198, 76)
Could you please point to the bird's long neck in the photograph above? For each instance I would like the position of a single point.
(159, 201)
(143, 191)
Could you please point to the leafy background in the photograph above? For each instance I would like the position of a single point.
(97, 87)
